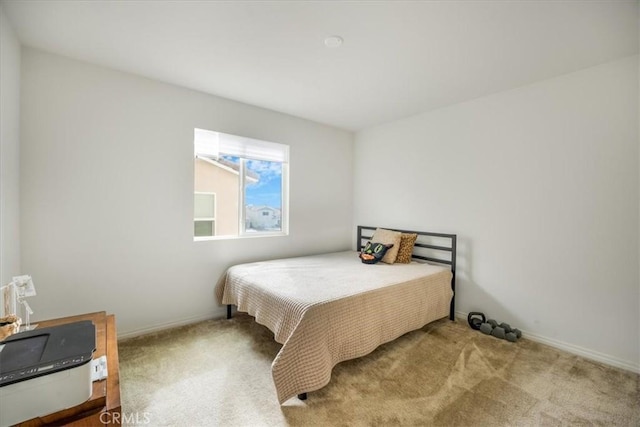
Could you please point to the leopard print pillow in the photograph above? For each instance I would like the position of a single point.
(406, 248)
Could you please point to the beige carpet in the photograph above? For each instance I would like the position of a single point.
(218, 373)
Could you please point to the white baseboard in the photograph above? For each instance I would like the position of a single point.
(167, 325)
(574, 349)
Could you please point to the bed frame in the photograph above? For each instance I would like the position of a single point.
(425, 250)
(422, 246)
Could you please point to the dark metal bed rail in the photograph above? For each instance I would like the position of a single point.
(450, 250)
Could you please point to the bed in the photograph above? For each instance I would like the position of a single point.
(328, 308)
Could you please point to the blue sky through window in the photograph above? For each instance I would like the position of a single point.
(268, 190)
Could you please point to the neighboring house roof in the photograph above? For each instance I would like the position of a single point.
(230, 166)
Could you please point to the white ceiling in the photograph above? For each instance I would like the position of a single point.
(398, 58)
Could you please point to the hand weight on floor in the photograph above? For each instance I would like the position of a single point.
(491, 327)
(506, 327)
(486, 328)
(498, 332)
(475, 319)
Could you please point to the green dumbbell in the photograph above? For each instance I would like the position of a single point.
(492, 322)
(510, 336)
(517, 331)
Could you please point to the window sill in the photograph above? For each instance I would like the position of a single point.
(244, 236)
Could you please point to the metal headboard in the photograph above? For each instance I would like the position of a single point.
(422, 244)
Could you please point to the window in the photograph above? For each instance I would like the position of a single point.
(241, 186)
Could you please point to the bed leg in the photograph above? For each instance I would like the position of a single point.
(228, 311)
(452, 308)
(302, 396)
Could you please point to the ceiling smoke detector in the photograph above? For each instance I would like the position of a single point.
(333, 41)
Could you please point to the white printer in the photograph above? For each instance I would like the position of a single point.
(45, 370)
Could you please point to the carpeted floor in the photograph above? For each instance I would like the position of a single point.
(219, 373)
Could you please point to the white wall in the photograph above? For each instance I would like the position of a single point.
(9, 152)
(107, 182)
(541, 185)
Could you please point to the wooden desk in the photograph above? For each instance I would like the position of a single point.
(103, 408)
